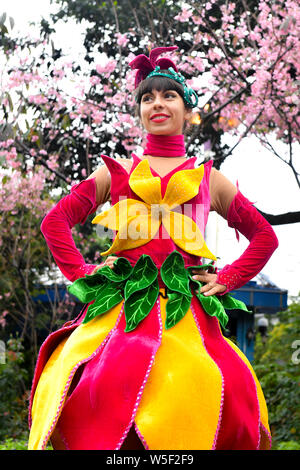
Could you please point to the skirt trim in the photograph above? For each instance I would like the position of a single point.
(222, 378)
(142, 438)
(264, 430)
(64, 329)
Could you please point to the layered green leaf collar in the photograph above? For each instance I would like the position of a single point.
(139, 289)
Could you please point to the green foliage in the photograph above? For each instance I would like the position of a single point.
(13, 392)
(139, 15)
(13, 444)
(277, 367)
(290, 445)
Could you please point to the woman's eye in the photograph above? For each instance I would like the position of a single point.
(146, 98)
(170, 95)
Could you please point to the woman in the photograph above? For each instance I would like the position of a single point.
(146, 366)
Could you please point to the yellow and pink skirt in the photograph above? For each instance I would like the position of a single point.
(184, 388)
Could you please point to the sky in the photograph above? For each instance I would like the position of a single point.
(261, 176)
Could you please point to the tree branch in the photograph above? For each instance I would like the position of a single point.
(281, 219)
(222, 106)
(243, 136)
(40, 160)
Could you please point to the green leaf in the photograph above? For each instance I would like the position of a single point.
(176, 307)
(210, 266)
(110, 297)
(139, 304)
(10, 102)
(196, 285)
(88, 288)
(174, 274)
(144, 273)
(2, 18)
(213, 307)
(121, 271)
(230, 303)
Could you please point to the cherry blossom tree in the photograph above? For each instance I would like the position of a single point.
(242, 57)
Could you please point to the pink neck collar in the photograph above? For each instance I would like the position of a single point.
(165, 145)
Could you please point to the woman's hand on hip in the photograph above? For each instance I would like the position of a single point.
(211, 287)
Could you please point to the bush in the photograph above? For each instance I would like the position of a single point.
(276, 366)
(13, 393)
(12, 444)
(290, 445)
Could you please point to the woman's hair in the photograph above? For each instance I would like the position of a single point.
(159, 84)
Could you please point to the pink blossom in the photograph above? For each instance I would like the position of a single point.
(2, 318)
(107, 89)
(106, 69)
(184, 15)
(95, 80)
(38, 99)
(198, 64)
(98, 116)
(122, 39)
(87, 132)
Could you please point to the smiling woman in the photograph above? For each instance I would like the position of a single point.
(161, 99)
(145, 365)
(163, 112)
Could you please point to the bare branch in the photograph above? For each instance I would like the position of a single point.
(244, 134)
(270, 147)
(217, 110)
(41, 161)
(281, 219)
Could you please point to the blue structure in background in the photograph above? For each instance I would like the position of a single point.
(267, 299)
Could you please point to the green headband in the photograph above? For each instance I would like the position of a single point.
(190, 96)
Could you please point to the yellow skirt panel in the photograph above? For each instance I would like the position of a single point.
(184, 389)
(58, 372)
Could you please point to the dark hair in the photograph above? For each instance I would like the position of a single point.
(160, 84)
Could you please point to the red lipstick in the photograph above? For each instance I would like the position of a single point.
(160, 117)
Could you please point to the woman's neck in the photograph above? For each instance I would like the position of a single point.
(165, 146)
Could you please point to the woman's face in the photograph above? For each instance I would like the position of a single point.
(163, 112)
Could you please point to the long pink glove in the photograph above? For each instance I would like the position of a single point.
(243, 216)
(56, 227)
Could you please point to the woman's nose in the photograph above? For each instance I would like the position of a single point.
(158, 102)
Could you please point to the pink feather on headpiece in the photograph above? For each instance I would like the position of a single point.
(146, 65)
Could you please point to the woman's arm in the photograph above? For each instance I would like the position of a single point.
(74, 208)
(241, 215)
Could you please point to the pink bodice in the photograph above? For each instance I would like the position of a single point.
(197, 208)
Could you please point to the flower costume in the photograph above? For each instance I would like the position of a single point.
(147, 349)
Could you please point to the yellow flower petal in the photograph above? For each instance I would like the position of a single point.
(135, 232)
(114, 217)
(144, 184)
(183, 186)
(186, 234)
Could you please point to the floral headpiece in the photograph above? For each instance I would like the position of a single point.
(152, 66)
